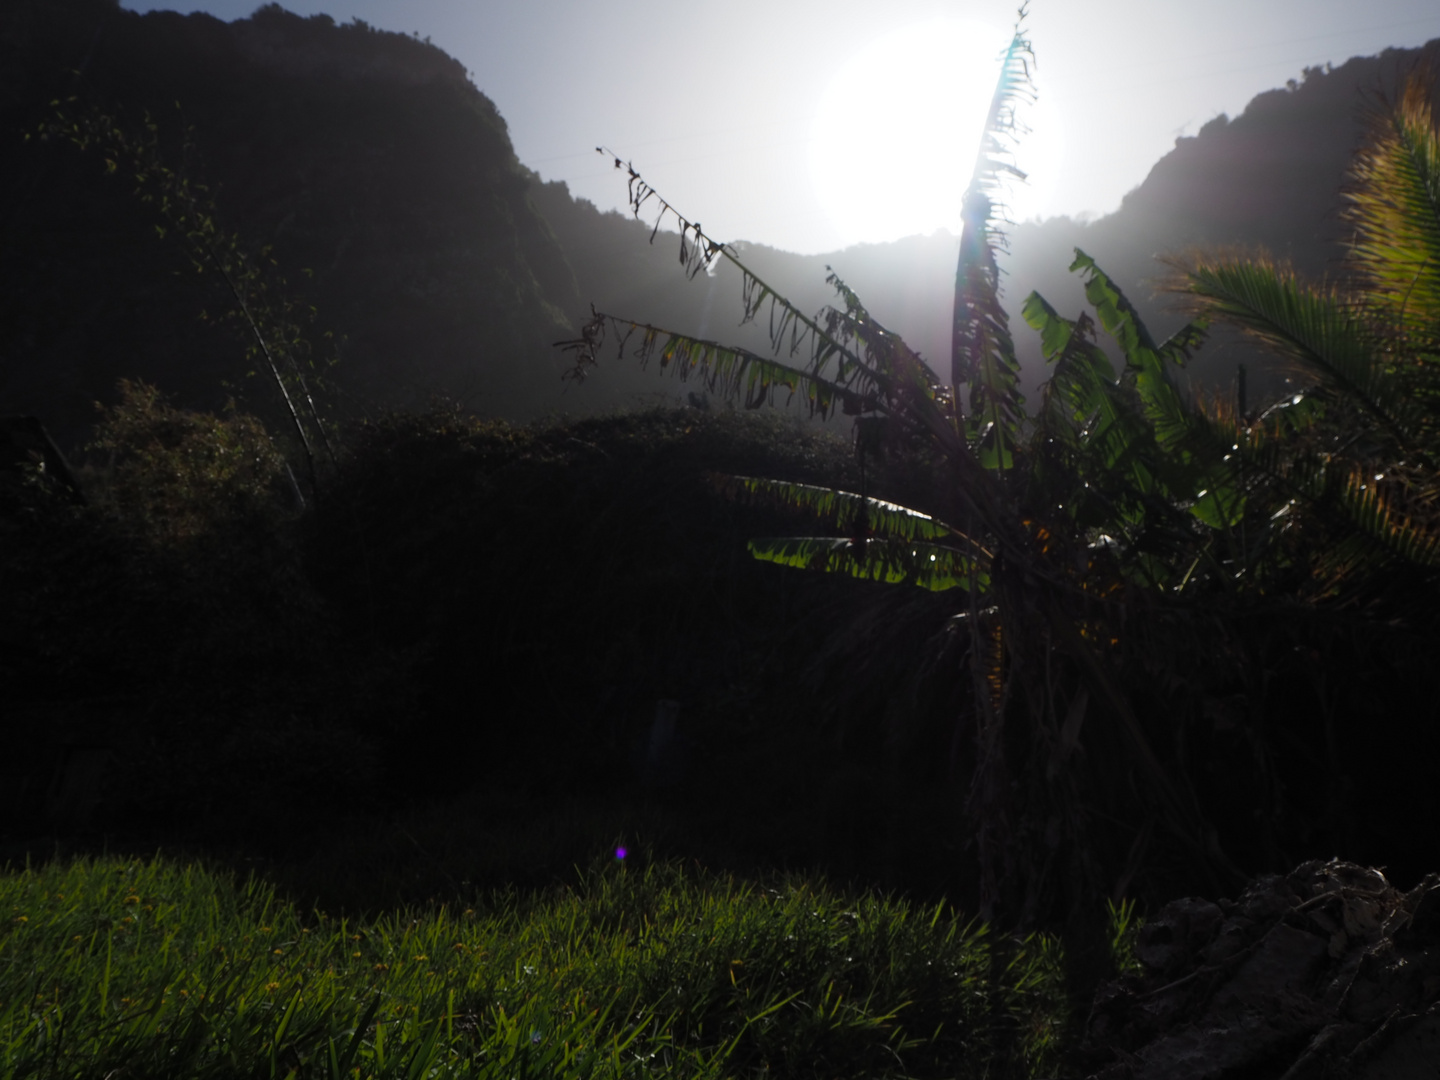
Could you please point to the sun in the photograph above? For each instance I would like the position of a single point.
(894, 138)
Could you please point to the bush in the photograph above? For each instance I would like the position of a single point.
(177, 476)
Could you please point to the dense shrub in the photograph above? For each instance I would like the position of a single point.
(176, 476)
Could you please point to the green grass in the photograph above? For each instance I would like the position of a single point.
(160, 969)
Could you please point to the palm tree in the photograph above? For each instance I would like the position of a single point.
(1360, 444)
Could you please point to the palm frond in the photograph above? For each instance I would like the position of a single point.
(1378, 516)
(1385, 517)
(1393, 200)
(1317, 329)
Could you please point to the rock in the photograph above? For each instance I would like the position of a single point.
(1413, 1054)
(1167, 943)
(1324, 973)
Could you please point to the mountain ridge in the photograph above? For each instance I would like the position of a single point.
(1268, 178)
(447, 267)
(385, 174)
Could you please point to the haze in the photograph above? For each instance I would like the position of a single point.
(722, 106)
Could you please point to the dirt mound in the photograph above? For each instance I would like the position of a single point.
(1324, 973)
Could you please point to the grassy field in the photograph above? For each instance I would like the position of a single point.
(159, 969)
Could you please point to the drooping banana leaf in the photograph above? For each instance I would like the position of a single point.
(843, 509)
(894, 561)
(825, 353)
(729, 371)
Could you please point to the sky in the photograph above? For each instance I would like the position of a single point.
(810, 125)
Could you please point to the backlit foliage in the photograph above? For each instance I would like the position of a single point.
(174, 476)
(1115, 548)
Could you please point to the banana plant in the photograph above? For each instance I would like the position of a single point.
(844, 360)
(1129, 457)
(1030, 509)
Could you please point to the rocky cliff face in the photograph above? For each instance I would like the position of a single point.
(383, 182)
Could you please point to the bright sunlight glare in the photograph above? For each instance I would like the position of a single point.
(894, 139)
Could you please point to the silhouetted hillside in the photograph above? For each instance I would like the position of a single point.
(365, 158)
(444, 266)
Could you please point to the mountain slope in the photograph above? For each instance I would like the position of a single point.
(444, 266)
(385, 182)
